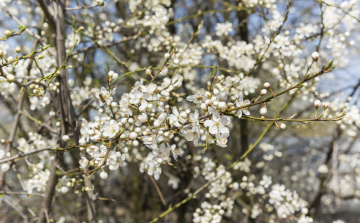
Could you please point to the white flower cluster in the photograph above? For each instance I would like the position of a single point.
(38, 182)
(287, 202)
(213, 213)
(223, 29)
(217, 189)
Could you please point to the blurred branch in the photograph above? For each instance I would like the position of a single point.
(30, 32)
(25, 154)
(20, 193)
(82, 7)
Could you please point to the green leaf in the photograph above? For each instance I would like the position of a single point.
(215, 69)
(328, 66)
(293, 116)
(172, 165)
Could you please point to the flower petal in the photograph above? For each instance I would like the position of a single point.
(213, 130)
(216, 116)
(196, 115)
(209, 123)
(225, 120)
(175, 111)
(239, 113)
(223, 130)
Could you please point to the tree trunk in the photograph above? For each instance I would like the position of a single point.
(64, 106)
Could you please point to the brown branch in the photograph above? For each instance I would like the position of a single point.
(158, 190)
(20, 193)
(64, 105)
(49, 14)
(85, 107)
(96, 46)
(82, 7)
(24, 154)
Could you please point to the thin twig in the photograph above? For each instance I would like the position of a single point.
(158, 190)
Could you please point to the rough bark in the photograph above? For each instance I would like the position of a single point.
(69, 122)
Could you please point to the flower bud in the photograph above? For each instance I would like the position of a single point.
(325, 105)
(315, 56)
(133, 135)
(5, 167)
(103, 175)
(148, 71)
(266, 85)
(263, 111)
(1, 53)
(113, 104)
(203, 106)
(216, 91)
(65, 138)
(10, 78)
(82, 141)
(263, 92)
(8, 32)
(222, 106)
(18, 49)
(208, 102)
(317, 104)
(10, 59)
(283, 126)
